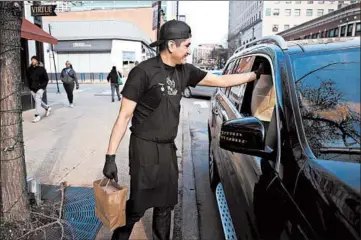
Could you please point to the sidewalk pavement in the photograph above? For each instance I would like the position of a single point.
(71, 143)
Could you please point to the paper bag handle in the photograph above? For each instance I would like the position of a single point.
(103, 180)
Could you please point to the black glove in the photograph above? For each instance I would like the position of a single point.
(110, 168)
(77, 87)
(259, 71)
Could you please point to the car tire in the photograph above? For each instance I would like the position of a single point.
(212, 167)
(187, 93)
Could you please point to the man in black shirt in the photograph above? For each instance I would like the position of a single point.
(151, 99)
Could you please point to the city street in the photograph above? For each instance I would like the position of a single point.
(70, 144)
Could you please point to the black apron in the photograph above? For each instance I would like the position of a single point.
(152, 152)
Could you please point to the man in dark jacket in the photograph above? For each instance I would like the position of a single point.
(113, 78)
(38, 81)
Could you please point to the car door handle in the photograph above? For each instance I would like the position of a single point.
(215, 111)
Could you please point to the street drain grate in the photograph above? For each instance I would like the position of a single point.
(78, 211)
(228, 229)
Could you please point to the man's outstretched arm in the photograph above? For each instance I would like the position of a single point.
(231, 80)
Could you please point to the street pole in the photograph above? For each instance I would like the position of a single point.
(56, 75)
(177, 10)
(158, 21)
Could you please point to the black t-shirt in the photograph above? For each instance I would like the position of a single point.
(141, 84)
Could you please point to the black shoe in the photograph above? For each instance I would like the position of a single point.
(113, 100)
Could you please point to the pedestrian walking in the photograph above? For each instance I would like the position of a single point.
(69, 79)
(151, 99)
(115, 79)
(38, 81)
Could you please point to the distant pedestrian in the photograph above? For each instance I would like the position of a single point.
(69, 79)
(38, 81)
(115, 79)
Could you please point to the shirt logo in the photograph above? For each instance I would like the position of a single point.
(170, 86)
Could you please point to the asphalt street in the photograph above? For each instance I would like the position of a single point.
(210, 226)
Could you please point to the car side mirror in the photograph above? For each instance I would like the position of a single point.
(244, 135)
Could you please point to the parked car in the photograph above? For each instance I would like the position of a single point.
(201, 91)
(286, 148)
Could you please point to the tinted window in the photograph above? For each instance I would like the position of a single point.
(236, 92)
(228, 70)
(328, 87)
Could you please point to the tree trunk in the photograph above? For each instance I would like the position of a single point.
(13, 197)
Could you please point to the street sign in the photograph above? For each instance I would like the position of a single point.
(43, 10)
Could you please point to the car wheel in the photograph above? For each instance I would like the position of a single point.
(187, 93)
(213, 171)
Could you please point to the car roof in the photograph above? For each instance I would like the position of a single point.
(311, 45)
(305, 45)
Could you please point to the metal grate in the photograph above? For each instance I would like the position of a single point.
(79, 211)
(228, 229)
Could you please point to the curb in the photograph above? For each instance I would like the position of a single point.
(189, 211)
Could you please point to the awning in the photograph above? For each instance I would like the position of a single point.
(32, 32)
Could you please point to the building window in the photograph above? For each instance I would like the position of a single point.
(288, 2)
(358, 29)
(288, 12)
(287, 26)
(336, 32)
(309, 12)
(268, 12)
(309, 2)
(319, 12)
(275, 28)
(341, 2)
(276, 12)
(330, 10)
(297, 12)
(298, 2)
(349, 30)
(343, 31)
(321, 2)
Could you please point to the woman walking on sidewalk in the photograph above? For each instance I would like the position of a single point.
(69, 79)
(114, 76)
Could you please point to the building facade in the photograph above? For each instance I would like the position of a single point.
(77, 6)
(202, 53)
(96, 47)
(249, 20)
(344, 22)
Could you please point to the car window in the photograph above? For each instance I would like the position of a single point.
(329, 100)
(228, 70)
(236, 93)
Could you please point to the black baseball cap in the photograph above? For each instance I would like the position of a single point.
(172, 30)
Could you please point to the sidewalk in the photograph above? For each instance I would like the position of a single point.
(70, 145)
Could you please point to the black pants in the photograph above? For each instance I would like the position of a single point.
(69, 88)
(161, 223)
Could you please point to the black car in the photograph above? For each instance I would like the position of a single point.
(285, 149)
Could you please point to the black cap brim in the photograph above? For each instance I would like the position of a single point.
(156, 43)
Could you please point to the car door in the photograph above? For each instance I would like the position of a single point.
(237, 175)
(215, 106)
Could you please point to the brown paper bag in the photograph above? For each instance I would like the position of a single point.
(110, 203)
(263, 98)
